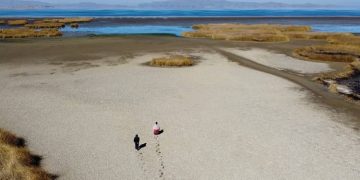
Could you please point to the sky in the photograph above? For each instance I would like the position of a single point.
(339, 2)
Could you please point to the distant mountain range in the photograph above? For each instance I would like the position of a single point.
(25, 4)
(20, 4)
(218, 4)
(167, 4)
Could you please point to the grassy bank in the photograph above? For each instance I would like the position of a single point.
(17, 162)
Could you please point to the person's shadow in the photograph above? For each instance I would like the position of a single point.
(161, 131)
(142, 146)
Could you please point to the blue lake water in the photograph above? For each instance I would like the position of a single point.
(177, 21)
(143, 29)
(175, 30)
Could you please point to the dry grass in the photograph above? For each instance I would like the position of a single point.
(69, 20)
(345, 40)
(355, 65)
(40, 28)
(198, 34)
(257, 32)
(28, 33)
(347, 72)
(242, 32)
(314, 35)
(174, 60)
(344, 47)
(240, 27)
(330, 79)
(2, 22)
(57, 23)
(16, 162)
(244, 35)
(10, 139)
(283, 28)
(45, 25)
(337, 53)
(333, 88)
(257, 35)
(17, 22)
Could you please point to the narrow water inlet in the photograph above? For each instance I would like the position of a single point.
(353, 82)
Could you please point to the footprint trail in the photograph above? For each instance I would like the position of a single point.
(160, 158)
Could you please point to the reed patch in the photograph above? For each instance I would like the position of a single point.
(243, 32)
(69, 20)
(258, 32)
(45, 25)
(172, 61)
(39, 28)
(341, 47)
(330, 52)
(17, 22)
(17, 162)
(28, 33)
(348, 71)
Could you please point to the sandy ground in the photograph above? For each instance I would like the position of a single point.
(221, 121)
(281, 61)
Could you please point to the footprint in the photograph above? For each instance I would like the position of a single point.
(161, 161)
(142, 164)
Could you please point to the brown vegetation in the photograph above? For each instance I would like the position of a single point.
(69, 20)
(45, 25)
(2, 22)
(343, 47)
(239, 27)
(345, 40)
(16, 162)
(28, 33)
(331, 79)
(244, 35)
(355, 65)
(17, 22)
(10, 139)
(40, 28)
(257, 32)
(174, 60)
(287, 28)
(243, 32)
(348, 71)
(314, 35)
(337, 53)
(57, 23)
(333, 88)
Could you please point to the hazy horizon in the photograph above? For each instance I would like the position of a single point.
(135, 2)
(178, 4)
(126, 2)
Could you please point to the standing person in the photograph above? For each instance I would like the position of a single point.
(136, 141)
(156, 129)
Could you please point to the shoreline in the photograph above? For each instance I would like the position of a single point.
(178, 25)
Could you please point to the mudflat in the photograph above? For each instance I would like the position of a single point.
(80, 102)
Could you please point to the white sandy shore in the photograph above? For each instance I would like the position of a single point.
(221, 121)
(280, 61)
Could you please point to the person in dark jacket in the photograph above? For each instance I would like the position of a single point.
(137, 142)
